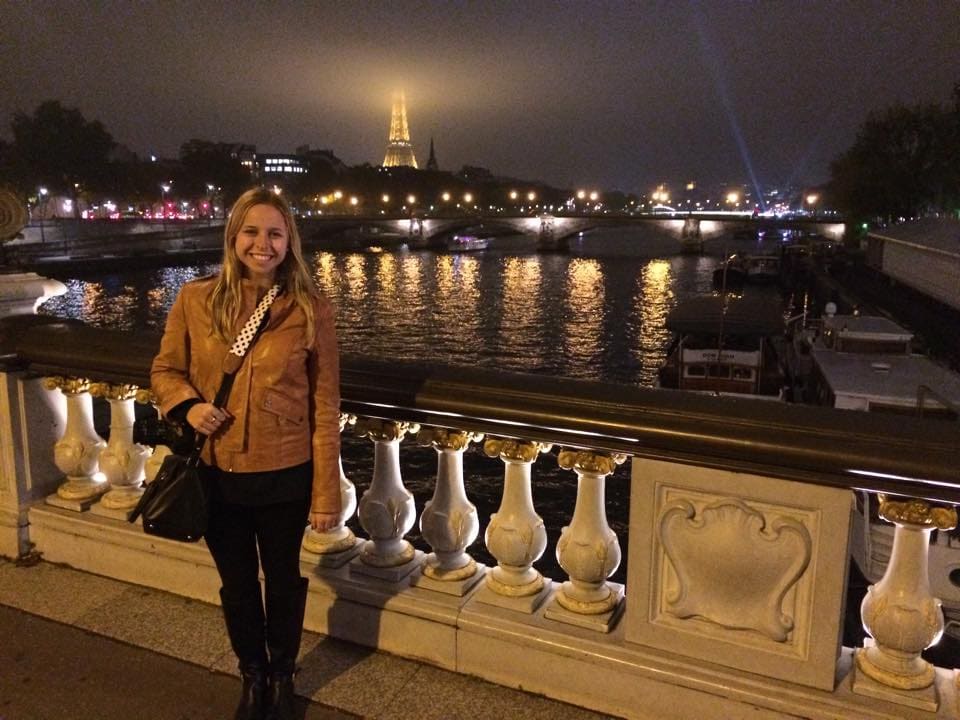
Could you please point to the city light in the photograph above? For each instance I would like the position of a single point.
(733, 198)
(594, 195)
(581, 194)
(354, 200)
(513, 194)
(468, 197)
(411, 199)
(385, 198)
(445, 197)
(531, 196)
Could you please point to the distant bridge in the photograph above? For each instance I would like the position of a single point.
(553, 232)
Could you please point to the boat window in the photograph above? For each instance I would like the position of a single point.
(742, 373)
(719, 371)
(695, 371)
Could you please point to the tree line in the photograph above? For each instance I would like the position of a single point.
(904, 163)
(56, 147)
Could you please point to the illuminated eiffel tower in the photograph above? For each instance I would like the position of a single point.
(399, 149)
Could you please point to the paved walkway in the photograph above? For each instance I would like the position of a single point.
(84, 647)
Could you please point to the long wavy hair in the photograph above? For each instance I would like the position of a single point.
(292, 274)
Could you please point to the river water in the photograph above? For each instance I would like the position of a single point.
(595, 313)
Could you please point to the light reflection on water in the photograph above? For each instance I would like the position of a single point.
(596, 313)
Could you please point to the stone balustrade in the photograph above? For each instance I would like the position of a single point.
(740, 522)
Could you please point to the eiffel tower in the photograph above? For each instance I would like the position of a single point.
(399, 149)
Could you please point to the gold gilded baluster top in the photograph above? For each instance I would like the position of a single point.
(444, 439)
(109, 391)
(590, 461)
(512, 450)
(917, 512)
(347, 419)
(383, 430)
(67, 385)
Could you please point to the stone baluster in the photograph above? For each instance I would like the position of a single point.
(336, 546)
(899, 612)
(588, 550)
(516, 535)
(449, 522)
(387, 509)
(122, 461)
(77, 453)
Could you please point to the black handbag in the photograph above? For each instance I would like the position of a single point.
(176, 505)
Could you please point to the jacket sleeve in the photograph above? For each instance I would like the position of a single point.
(323, 367)
(169, 374)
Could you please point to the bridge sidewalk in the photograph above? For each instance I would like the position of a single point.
(92, 648)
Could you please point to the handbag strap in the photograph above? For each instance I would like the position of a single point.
(252, 327)
(241, 346)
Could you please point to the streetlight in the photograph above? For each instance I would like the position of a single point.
(42, 204)
(164, 189)
(210, 189)
(811, 201)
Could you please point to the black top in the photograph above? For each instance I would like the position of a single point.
(291, 484)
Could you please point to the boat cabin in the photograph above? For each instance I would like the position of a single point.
(866, 363)
(726, 345)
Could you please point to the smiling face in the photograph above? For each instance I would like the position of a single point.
(261, 243)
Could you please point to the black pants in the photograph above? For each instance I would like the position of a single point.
(235, 533)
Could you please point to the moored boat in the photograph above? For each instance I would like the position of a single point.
(726, 345)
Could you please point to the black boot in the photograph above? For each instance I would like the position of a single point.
(245, 626)
(284, 628)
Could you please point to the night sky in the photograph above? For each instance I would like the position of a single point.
(606, 94)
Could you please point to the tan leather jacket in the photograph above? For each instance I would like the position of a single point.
(285, 401)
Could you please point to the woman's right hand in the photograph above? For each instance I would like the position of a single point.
(206, 418)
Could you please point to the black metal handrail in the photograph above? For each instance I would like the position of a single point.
(909, 456)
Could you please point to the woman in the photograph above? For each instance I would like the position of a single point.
(273, 448)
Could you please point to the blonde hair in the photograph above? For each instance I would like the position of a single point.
(293, 274)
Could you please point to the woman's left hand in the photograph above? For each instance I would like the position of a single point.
(323, 521)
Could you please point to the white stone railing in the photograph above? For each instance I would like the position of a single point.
(739, 532)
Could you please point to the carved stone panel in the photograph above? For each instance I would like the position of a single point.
(730, 566)
(738, 569)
